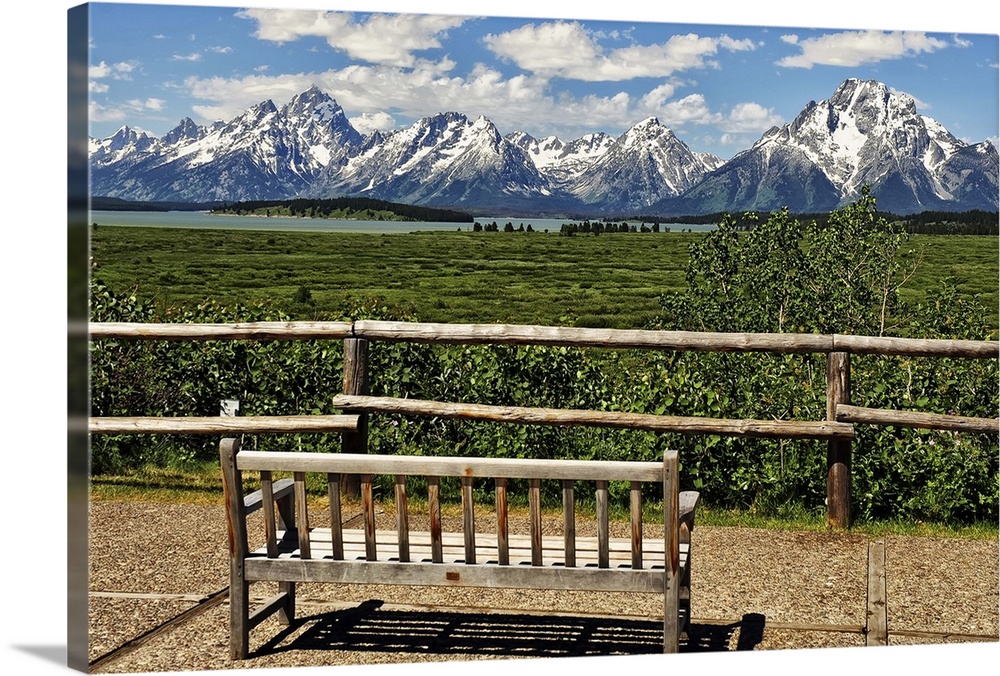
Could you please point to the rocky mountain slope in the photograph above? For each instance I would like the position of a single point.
(865, 133)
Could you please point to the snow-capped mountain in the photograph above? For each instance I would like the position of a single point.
(444, 160)
(264, 153)
(865, 134)
(645, 164)
(559, 161)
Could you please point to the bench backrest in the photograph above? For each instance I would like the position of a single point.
(289, 495)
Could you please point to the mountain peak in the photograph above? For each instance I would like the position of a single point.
(865, 134)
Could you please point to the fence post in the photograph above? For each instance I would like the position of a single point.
(355, 382)
(838, 456)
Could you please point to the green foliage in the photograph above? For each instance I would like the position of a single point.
(778, 274)
(787, 276)
(843, 276)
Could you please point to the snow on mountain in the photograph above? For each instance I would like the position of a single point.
(443, 160)
(865, 134)
(264, 153)
(645, 164)
(559, 161)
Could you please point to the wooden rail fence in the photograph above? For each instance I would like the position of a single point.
(837, 429)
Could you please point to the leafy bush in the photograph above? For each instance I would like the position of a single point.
(778, 275)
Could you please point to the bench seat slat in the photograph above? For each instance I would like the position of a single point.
(520, 550)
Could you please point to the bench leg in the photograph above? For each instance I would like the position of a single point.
(239, 618)
(287, 613)
(685, 586)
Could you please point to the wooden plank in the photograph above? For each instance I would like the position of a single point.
(468, 520)
(503, 550)
(299, 330)
(569, 523)
(550, 543)
(635, 504)
(273, 605)
(508, 334)
(254, 501)
(434, 505)
(486, 554)
(611, 419)
(520, 551)
(336, 515)
(602, 524)
(281, 424)
(838, 476)
(930, 421)
(917, 347)
(302, 514)
(267, 501)
(418, 465)
(355, 382)
(672, 561)
(877, 631)
(456, 575)
(535, 520)
(239, 595)
(402, 519)
(368, 509)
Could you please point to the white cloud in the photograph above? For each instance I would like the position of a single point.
(790, 39)
(854, 48)
(750, 117)
(126, 111)
(194, 56)
(117, 71)
(692, 109)
(221, 50)
(568, 50)
(150, 104)
(381, 97)
(382, 39)
(100, 70)
(99, 113)
(958, 41)
(370, 122)
(98, 87)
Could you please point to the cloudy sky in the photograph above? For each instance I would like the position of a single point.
(717, 86)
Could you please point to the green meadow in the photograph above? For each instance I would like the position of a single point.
(611, 280)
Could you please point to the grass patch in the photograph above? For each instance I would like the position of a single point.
(611, 280)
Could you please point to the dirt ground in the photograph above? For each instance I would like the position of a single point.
(151, 563)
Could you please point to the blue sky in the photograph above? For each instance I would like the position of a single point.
(719, 87)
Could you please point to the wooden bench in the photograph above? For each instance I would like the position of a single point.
(298, 550)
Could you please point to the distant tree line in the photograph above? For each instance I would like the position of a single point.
(601, 227)
(99, 203)
(586, 227)
(322, 208)
(976, 222)
(973, 222)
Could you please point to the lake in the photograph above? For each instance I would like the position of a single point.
(202, 219)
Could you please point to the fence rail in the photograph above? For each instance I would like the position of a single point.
(837, 429)
(558, 336)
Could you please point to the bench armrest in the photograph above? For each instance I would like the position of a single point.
(687, 503)
(280, 489)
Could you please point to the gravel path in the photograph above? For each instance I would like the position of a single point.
(157, 553)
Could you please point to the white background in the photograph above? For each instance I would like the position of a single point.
(33, 311)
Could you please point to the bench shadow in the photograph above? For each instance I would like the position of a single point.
(368, 628)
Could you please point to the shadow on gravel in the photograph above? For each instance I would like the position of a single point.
(366, 628)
